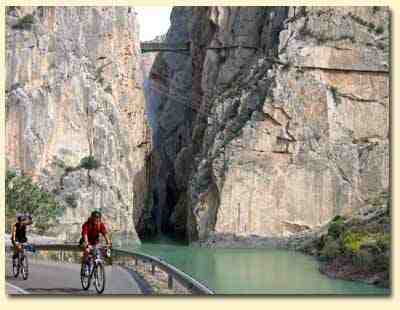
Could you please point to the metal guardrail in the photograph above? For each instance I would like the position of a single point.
(173, 273)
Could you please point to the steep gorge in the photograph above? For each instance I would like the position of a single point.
(276, 121)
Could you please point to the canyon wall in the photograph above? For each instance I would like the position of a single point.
(73, 91)
(278, 120)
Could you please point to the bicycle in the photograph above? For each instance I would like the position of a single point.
(20, 263)
(93, 267)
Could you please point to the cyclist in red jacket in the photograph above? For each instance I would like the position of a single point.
(91, 231)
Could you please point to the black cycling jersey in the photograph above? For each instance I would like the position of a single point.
(20, 233)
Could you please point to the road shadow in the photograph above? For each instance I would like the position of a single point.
(57, 290)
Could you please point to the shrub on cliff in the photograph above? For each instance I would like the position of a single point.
(352, 241)
(332, 248)
(71, 201)
(358, 248)
(24, 196)
(89, 162)
(336, 227)
(25, 22)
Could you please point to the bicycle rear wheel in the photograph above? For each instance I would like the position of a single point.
(24, 267)
(99, 278)
(85, 276)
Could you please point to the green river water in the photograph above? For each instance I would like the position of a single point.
(252, 271)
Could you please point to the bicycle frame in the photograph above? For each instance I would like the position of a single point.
(95, 256)
(95, 263)
(18, 262)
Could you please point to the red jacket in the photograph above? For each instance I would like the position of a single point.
(93, 231)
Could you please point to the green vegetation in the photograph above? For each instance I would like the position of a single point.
(99, 73)
(375, 9)
(25, 22)
(89, 163)
(69, 169)
(352, 241)
(352, 238)
(335, 94)
(358, 246)
(71, 200)
(379, 29)
(331, 248)
(336, 228)
(24, 196)
(60, 163)
(108, 89)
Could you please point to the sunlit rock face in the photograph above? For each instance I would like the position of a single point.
(74, 89)
(290, 119)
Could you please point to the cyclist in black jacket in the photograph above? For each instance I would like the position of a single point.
(18, 235)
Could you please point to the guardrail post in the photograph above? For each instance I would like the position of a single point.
(170, 281)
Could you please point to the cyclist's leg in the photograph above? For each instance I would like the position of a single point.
(17, 249)
(85, 258)
(22, 247)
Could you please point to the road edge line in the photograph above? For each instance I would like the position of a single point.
(22, 291)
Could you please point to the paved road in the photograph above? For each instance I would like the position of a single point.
(63, 278)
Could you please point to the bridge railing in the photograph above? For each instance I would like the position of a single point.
(160, 47)
(174, 274)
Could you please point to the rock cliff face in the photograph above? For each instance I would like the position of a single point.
(277, 121)
(73, 90)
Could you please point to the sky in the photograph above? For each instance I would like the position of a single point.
(153, 21)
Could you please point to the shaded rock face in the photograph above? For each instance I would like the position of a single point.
(169, 98)
(145, 225)
(74, 89)
(289, 120)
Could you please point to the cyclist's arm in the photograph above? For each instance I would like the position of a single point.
(85, 235)
(13, 233)
(108, 240)
(105, 235)
(85, 239)
(28, 221)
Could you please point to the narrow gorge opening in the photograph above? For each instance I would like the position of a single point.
(178, 108)
(158, 217)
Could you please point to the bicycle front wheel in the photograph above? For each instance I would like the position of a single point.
(15, 266)
(99, 278)
(85, 276)
(24, 267)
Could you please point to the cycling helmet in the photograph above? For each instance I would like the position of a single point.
(96, 213)
(24, 216)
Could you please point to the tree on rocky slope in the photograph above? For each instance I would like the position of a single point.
(24, 196)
